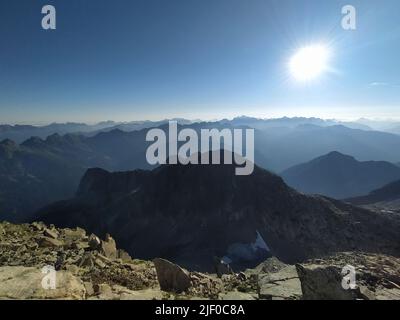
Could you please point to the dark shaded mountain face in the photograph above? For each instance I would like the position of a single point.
(39, 172)
(388, 193)
(34, 174)
(190, 214)
(340, 176)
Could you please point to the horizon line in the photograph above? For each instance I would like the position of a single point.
(198, 120)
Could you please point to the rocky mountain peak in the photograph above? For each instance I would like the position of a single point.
(336, 156)
(101, 184)
(55, 138)
(8, 143)
(34, 142)
(191, 214)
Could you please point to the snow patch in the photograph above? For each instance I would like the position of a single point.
(260, 243)
(247, 251)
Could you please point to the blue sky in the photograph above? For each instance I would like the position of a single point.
(151, 59)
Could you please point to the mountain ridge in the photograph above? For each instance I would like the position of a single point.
(340, 176)
(189, 214)
(387, 193)
(275, 149)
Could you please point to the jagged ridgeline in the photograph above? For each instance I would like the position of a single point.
(192, 214)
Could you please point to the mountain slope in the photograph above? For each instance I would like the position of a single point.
(340, 176)
(41, 171)
(32, 177)
(389, 192)
(189, 214)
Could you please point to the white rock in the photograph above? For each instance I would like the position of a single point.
(26, 283)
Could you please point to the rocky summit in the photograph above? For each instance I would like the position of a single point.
(87, 267)
(192, 214)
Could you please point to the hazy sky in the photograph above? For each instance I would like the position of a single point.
(137, 59)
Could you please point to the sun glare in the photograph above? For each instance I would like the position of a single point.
(309, 62)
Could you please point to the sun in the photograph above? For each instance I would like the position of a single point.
(309, 62)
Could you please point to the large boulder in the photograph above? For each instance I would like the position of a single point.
(51, 233)
(284, 284)
(124, 256)
(46, 242)
(319, 282)
(377, 277)
(109, 247)
(75, 234)
(25, 283)
(171, 277)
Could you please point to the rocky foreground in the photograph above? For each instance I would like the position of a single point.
(87, 267)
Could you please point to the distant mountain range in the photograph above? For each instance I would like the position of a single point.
(292, 123)
(191, 214)
(20, 133)
(340, 176)
(40, 171)
(287, 147)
